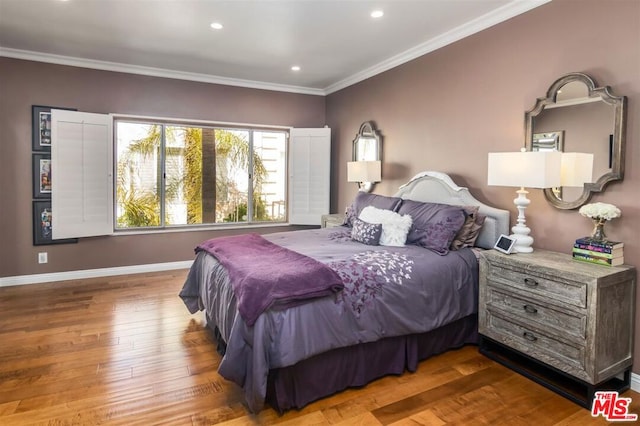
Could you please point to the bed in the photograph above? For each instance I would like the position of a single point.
(379, 309)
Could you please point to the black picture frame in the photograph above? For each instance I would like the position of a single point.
(41, 175)
(42, 225)
(41, 127)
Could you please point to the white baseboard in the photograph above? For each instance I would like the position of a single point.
(635, 382)
(92, 273)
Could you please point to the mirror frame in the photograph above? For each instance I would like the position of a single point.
(367, 130)
(619, 135)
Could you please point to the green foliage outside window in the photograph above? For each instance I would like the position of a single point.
(259, 212)
(140, 207)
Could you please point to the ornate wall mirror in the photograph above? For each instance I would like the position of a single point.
(366, 167)
(578, 116)
(367, 146)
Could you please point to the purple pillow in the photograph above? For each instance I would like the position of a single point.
(364, 199)
(434, 225)
(366, 233)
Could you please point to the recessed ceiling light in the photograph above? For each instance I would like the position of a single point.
(216, 25)
(295, 68)
(377, 14)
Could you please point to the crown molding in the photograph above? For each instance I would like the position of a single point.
(514, 8)
(153, 72)
(497, 16)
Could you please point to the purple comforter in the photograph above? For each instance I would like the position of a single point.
(265, 275)
(389, 291)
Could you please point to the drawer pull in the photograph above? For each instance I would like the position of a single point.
(530, 282)
(530, 309)
(529, 336)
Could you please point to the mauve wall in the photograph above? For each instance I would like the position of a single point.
(446, 110)
(25, 83)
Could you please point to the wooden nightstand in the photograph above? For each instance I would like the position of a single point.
(331, 220)
(565, 324)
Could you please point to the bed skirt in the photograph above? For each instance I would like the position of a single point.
(354, 366)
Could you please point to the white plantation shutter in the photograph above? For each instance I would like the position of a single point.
(81, 174)
(309, 175)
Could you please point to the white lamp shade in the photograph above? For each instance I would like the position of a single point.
(576, 169)
(364, 171)
(527, 169)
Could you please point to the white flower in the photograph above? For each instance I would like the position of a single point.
(600, 211)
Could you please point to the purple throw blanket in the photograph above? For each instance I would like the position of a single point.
(264, 274)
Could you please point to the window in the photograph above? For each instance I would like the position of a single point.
(180, 175)
(176, 175)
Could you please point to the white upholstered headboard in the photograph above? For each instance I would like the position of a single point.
(436, 187)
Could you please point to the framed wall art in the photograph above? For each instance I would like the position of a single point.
(41, 172)
(41, 175)
(41, 127)
(43, 225)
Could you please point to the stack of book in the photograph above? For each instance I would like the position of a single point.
(608, 253)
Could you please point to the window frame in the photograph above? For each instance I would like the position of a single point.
(215, 125)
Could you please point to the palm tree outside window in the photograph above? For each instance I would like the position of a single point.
(182, 175)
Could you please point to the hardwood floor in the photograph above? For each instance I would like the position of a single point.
(124, 350)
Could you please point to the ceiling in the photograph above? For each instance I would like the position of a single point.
(335, 43)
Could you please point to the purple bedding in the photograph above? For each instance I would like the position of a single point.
(388, 291)
(249, 260)
(357, 365)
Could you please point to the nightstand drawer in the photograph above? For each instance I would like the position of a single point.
(553, 321)
(557, 353)
(545, 288)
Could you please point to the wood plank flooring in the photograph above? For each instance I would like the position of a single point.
(125, 351)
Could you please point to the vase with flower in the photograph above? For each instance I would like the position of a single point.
(599, 213)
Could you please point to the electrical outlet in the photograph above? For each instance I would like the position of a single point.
(42, 257)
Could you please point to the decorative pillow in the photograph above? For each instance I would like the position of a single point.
(364, 199)
(395, 227)
(434, 225)
(468, 234)
(365, 232)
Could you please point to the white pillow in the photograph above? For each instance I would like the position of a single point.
(394, 226)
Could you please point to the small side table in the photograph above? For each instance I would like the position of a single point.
(331, 220)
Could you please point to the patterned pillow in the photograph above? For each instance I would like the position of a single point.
(434, 225)
(366, 233)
